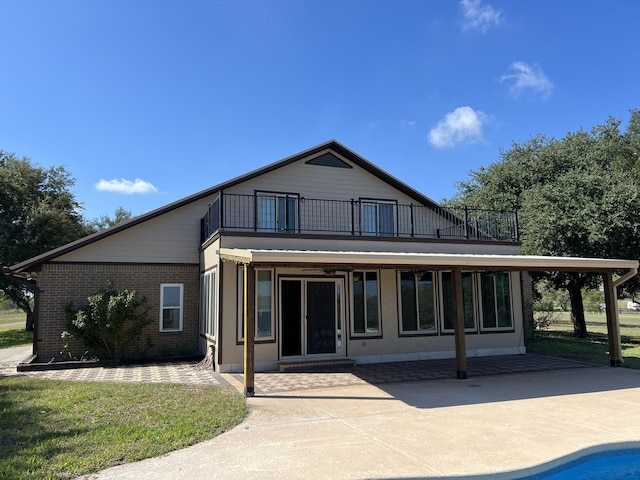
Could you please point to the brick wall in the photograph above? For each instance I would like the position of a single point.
(63, 283)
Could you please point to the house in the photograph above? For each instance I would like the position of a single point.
(319, 256)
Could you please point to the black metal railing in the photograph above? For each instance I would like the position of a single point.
(281, 214)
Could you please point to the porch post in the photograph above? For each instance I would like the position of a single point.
(458, 324)
(613, 324)
(249, 328)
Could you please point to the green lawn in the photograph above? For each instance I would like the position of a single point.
(14, 338)
(56, 429)
(12, 333)
(558, 339)
(12, 318)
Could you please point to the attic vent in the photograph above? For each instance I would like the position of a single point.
(328, 160)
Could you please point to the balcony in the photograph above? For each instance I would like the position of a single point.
(289, 214)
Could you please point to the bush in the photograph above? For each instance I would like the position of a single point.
(542, 319)
(112, 320)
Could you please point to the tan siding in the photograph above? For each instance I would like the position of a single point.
(170, 238)
(210, 257)
(315, 181)
(388, 348)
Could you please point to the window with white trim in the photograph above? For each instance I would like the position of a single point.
(208, 303)
(468, 299)
(378, 217)
(495, 289)
(264, 307)
(366, 303)
(276, 212)
(171, 305)
(417, 302)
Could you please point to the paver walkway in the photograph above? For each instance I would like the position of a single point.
(271, 383)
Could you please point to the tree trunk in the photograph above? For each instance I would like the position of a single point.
(30, 324)
(577, 310)
(23, 304)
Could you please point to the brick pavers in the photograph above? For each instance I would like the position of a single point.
(146, 373)
(397, 372)
(273, 383)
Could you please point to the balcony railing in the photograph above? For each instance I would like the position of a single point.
(299, 215)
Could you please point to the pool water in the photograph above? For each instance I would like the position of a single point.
(611, 465)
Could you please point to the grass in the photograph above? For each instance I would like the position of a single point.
(9, 318)
(14, 337)
(63, 429)
(12, 333)
(558, 340)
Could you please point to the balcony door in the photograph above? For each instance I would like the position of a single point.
(378, 218)
(277, 212)
(311, 317)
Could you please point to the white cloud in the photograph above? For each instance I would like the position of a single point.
(463, 124)
(527, 78)
(125, 186)
(479, 17)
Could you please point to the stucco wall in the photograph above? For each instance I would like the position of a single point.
(63, 283)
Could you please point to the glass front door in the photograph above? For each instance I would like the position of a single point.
(311, 317)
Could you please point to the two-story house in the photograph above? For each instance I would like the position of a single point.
(319, 256)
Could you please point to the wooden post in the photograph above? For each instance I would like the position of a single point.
(613, 324)
(458, 324)
(249, 329)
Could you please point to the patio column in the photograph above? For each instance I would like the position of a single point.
(458, 324)
(249, 328)
(613, 324)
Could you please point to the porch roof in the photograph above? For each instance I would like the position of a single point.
(453, 261)
(434, 260)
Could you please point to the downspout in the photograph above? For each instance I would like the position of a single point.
(33, 287)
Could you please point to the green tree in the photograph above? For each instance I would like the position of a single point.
(578, 196)
(105, 221)
(38, 212)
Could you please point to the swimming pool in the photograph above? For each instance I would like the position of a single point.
(607, 465)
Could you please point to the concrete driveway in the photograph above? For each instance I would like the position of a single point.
(484, 427)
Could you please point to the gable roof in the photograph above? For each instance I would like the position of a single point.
(332, 145)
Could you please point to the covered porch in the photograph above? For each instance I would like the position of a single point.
(456, 263)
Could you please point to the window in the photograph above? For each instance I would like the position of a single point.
(263, 306)
(277, 212)
(417, 305)
(467, 300)
(208, 304)
(366, 305)
(378, 218)
(171, 307)
(496, 301)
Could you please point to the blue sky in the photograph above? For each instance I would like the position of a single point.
(148, 101)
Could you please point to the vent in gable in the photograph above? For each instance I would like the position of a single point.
(328, 160)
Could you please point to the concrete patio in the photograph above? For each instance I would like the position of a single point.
(493, 426)
(488, 426)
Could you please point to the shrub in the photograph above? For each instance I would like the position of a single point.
(112, 320)
(543, 319)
